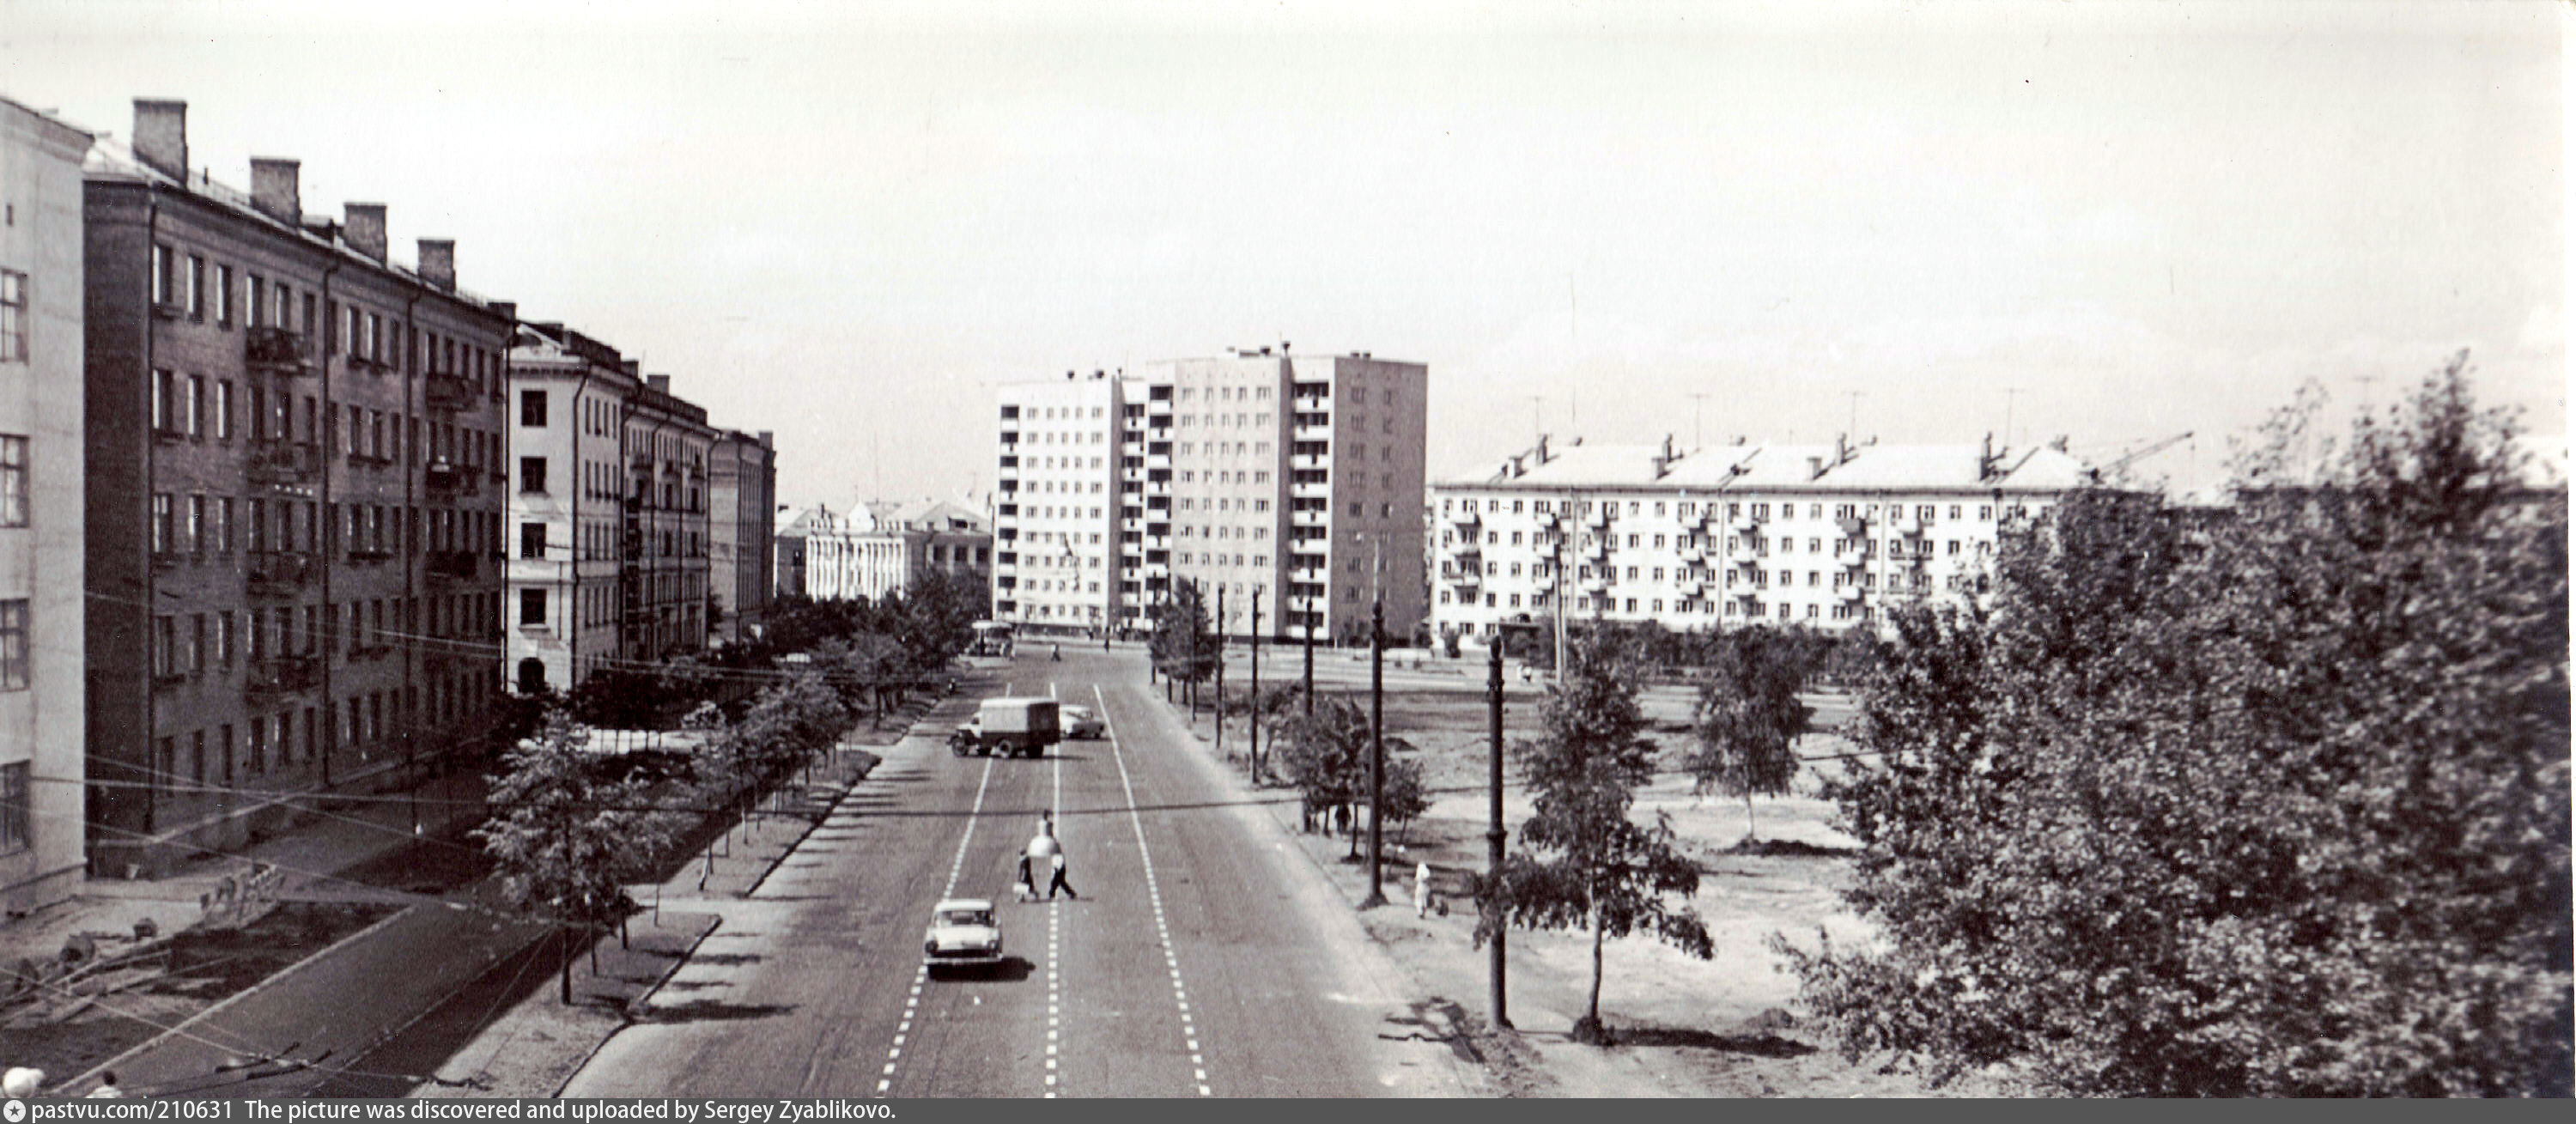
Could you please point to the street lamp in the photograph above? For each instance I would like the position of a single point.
(1377, 752)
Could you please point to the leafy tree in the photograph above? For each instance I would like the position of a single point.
(565, 840)
(1749, 716)
(2265, 801)
(1585, 863)
(1183, 645)
(1326, 755)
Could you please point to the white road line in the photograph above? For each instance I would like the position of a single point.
(912, 1003)
(1153, 888)
(1055, 924)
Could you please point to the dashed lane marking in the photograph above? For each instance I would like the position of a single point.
(1154, 893)
(921, 975)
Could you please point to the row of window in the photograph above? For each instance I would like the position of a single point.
(197, 408)
(13, 316)
(204, 524)
(271, 741)
(198, 643)
(376, 337)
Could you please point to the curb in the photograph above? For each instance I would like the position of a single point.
(810, 826)
(185, 1027)
(645, 997)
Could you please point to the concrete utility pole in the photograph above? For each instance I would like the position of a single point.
(1377, 751)
(1220, 673)
(1494, 830)
(1255, 720)
(1310, 657)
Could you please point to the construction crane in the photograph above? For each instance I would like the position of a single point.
(2142, 452)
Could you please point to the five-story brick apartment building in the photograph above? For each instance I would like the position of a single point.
(742, 477)
(1300, 478)
(1829, 536)
(41, 516)
(663, 565)
(294, 516)
(568, 395)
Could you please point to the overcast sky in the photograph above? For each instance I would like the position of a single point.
(847, 223)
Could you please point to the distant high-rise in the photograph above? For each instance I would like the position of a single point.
(1296, 477)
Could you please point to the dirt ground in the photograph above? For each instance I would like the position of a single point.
(1727, 1026)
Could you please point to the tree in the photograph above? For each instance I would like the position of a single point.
(1749, 717)
(1183, 645)
(1326, 756)
(1585, 863)
(2267, 801)
(564, 840)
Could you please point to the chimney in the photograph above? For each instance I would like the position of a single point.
(161, 136)
(438, 263)
(365, 229)
(1842, 449)
(1542, 448)
(765, 435)
(550, 327)
(1815, 467)
(661, 384)
(276, 189)
(506, 310)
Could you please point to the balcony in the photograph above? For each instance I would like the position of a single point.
(450, 567)
(371, 556)
(1694, 552)
(1471, 516)
(447, 392)
(277, 351)
(281, 675)
(1853, 526)
(1747, 523)
(444, 479)
(1850, 557)
(278, 573)
(1850, 591)
(282, 464)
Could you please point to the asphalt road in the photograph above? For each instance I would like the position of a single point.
(1205, 957)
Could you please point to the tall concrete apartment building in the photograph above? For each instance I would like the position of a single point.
(664, 537)
(742, 477)
(41, 516)
(1830, 536)
(1296, 478)
(294, 458)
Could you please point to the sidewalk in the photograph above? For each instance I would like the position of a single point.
(537, 1044)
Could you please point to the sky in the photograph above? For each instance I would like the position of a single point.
(1923, 222)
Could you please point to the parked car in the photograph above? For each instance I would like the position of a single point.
(962, 934)
(1081, 722)
(1019, 727)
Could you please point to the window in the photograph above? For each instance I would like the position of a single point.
(532, 540)
(16, 822)
(13, 316)
(194, 407)
(196, 286)
(13, 481)
(13, 645)
(532, 407)
(224, 295)
(161, 266)
(164, 515)
(223, 409)
(532, 474)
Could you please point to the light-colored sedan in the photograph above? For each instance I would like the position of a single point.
(962, 934)
(1082, 722)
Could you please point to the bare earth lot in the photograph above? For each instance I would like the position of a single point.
(1688, 1027)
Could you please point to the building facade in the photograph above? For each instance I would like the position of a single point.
(1291, 482)
(41, 517)
(294, 450)
(898, 545)
(665, 533)
(568, 397)
(742, 477)
(1056, 562)
(1828, 536)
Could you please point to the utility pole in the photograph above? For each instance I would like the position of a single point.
(1377, 751)
(1220, 672)
(1310, 657)
(1494, 820)
(1255, 720)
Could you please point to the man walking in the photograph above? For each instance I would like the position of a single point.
(1058, 882)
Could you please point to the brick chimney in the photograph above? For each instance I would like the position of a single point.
(276, 189)
(438, 263)
(634, 368)
(765, 436)
(365, 230)
(161, 136)
(506, 310)
(661, 384)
